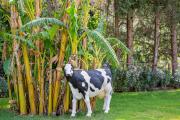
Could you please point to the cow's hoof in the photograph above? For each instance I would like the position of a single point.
(72, 115)
(106, 111)
(88, 114)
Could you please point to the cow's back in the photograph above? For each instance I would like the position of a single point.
(90, 82)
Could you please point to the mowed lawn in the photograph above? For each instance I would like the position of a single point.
(158, 105)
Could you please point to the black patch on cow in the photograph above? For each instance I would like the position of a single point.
(108, 80)
(76, 80)
(96, 78)
(92, 89)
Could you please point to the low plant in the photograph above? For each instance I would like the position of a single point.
(138, 78)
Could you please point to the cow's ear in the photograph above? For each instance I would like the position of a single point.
(72, 66)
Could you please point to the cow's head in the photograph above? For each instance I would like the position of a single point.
(68, 69)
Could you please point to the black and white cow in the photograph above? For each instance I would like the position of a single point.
(85, 84)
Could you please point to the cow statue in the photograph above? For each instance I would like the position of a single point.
(85, 84)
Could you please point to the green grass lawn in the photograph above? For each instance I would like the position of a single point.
(159, 105)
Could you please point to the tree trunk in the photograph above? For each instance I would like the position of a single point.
(130, 36)
(116, 19)
(107, 2)
(173, 42)
(116, 29)
(156, 40)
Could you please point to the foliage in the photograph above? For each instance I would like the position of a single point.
(7, 67)
(139, 78)
(94, 19)
(95, 35)
(3, 88)
(42, 22)
(4, 25)
(46, 34)
(176, 78)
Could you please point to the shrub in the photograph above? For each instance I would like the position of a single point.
(138, 78)
(176, 78)
(3, 88)
(132, 82)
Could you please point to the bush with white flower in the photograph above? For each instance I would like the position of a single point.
(177, 75)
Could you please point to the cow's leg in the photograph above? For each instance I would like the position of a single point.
(108, 103)
(73, 106)
(105, 102)
(108, 97)
(87, 101)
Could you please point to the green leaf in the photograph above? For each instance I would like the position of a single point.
(6, 67)
(101, 41)
(22, 39)
(40, 35)
(116, 42)
(42, 21)
(53, 31)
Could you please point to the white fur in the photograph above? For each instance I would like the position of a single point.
(68, 70)
(75, 92)
(83, 84)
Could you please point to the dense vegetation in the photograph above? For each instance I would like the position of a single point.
(39, 36)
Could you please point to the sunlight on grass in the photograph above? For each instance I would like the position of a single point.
(177, 118)
(4, 103)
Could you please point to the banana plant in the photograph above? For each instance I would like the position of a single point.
(74, 39)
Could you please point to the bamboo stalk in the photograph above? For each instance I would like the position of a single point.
(22, 98)
(42, 92)
(14, 78)
(59, 71)
(50, 87)
(85, 20)
(67, 98)
(9, 88)
(31, 90)
(39, 61)
(4, 51)
(21, 91)
(29, 80)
